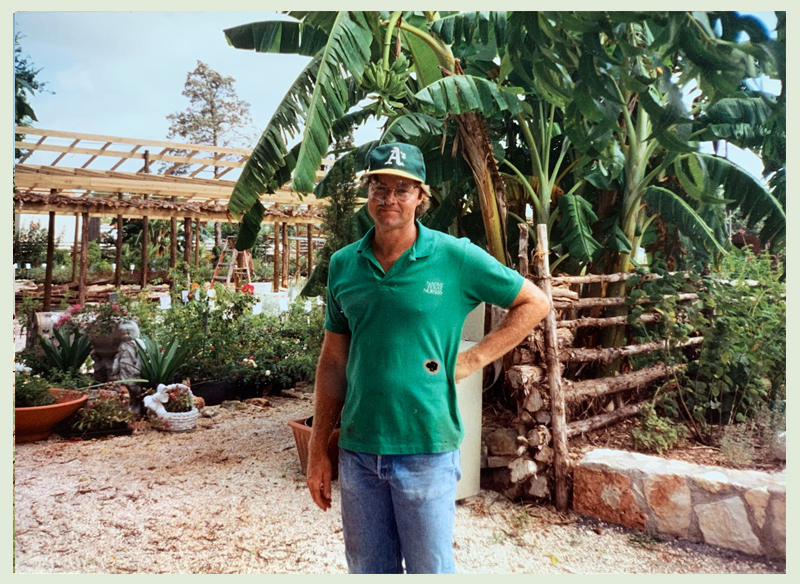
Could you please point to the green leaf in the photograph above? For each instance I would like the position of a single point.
(675, 210)
(346, 53)
(464, 93)
(575, 225)
(284, 37)
(749, 195)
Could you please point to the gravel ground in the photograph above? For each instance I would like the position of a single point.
(229, 497)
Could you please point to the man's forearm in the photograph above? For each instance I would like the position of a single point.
(329, 393)
(530, 307)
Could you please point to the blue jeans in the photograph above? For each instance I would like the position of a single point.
(399, 507)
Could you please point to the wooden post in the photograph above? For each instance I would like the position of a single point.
(145, 245)
(523, 249)
(276, 267)
(118, 256)
(173, 244)
(187, 239)
(285, 268)
(76, 249)
(84, 258)
(310, 249)
(48, 271)
(297, 250)
(197, 243)
(557, 410)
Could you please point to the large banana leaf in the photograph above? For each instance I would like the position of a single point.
(748, 195)
(346, 54)
(575, 225)
(459, 94)
(270, 152)
(740, 121)
(675, 210)
(285, 37)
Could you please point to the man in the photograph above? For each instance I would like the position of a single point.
(389, 365)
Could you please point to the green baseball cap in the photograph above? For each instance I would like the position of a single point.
(398, 159)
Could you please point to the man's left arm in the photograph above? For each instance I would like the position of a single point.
(528, 308)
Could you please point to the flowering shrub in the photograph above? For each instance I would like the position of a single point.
(107, 409)
(103, 317)
(180, 399)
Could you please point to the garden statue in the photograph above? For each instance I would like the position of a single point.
(127, 364)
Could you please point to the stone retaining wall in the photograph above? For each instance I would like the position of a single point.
(734, 509)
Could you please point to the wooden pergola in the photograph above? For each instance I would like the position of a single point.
(90, 175)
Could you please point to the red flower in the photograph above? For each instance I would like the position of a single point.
(248, 289)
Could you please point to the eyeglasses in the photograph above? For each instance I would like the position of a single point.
(402, 192)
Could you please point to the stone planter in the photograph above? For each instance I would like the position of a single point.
(302, 434)
(37, 423)
(105, 346)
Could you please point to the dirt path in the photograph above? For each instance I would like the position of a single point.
(229, 497)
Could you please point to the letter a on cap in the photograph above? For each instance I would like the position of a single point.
(395, 157)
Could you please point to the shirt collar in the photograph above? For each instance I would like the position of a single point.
(421, 248)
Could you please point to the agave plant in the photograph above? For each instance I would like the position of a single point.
(159, 365)
(66, 354)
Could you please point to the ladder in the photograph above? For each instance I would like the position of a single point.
(227, 261)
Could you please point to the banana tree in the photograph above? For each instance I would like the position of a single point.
(404, 64)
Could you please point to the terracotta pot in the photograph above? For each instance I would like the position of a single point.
(38, 422)
(302, 434)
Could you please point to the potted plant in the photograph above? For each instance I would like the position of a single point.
(38, 408)
(171, 408)
(101, 322)
(105, 413)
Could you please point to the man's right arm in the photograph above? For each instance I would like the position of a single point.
(329, 393)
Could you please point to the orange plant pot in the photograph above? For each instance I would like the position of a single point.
(38, 422)
(302, 434)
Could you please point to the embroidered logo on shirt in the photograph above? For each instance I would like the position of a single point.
(434, 288)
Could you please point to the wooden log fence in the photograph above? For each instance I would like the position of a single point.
(535, 369)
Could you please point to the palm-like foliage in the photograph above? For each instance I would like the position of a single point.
(160, 365)
(66, 354)
(579, 102)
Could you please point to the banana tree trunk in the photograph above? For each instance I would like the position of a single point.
(477, 149)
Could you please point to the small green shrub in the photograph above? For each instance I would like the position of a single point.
(655, 433)
(737, 443)
(106, 409)
(31, 391)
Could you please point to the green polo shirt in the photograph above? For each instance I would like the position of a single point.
(405, 328)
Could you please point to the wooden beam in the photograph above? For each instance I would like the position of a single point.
(196, 243)
(608, 354)
(604, 420)
(134, 141)
(582, 390)
(122, 154)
